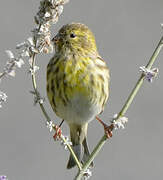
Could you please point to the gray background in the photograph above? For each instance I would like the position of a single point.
(127, 31)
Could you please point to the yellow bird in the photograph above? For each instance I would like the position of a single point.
(77, 83)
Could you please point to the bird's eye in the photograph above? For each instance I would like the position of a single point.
(72, 35)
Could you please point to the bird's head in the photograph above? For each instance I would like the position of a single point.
(76, 38)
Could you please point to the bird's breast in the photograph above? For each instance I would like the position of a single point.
(77, 89)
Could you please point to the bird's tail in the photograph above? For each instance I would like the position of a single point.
(79, 144)
(78, 151)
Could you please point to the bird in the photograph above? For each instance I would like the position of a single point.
(78, 82)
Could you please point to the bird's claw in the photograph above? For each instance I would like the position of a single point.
(58, 133)
(108, 131)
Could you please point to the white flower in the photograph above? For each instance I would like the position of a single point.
(41, 101)
(26, 44)
(120, 122)
(11, 72)
(33, 70)
(27, 48)
(43, 39)
(66, 142)
(59, 10)
(30, 41)
(47, 14)
(37, 97)
(3, 177)
(149, 73)
(20, 45)
(19, 63)
(3, 98)
(115, 116)
(13, 62)
(49, 125)
(25, 53)
(57, 2)
(87, 174)
(161, 25)
(10, 54)
(9, 69)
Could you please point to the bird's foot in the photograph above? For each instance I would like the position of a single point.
(58, 133)
(107, 129)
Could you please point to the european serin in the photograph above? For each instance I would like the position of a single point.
(77, 83)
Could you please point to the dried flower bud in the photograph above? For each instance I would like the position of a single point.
(19, 62)
(120, 122)
(49, 125)
(10, 54)
(33, 70)
(149, 73)
(66, 142)
(87, 174)
(3, 98)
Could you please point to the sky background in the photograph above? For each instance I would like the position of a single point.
(127, 33)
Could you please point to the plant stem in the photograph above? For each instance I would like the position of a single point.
(91, 158)
(47, 117)
(2, 74)
(35, 89)
(73, 154)
(123, 110)
(141, 79)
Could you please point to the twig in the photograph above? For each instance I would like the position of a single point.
(46, 115)
(36, 92)
(141, 79)
(122, 112)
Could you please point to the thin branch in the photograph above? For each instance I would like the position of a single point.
(122, 112)
(33, 58)
(141, 79)
(48, 118)
(91, 158)
(2, 74)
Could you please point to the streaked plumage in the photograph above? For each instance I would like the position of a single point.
(77, 83)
